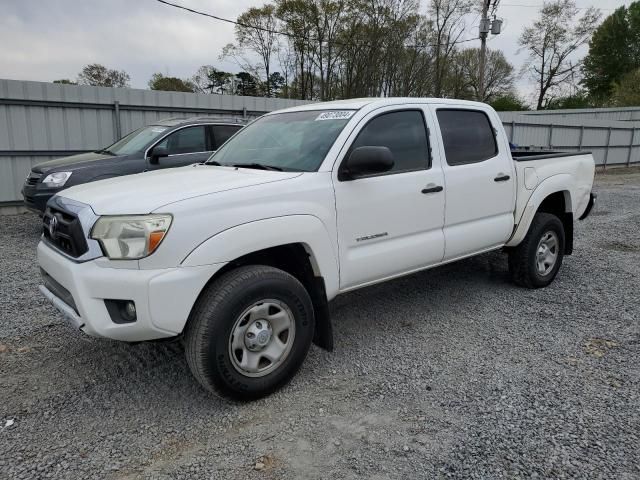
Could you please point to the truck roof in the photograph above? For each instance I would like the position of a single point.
(375, 102)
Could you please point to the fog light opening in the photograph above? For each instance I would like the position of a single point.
(130, 311)
(121, 311)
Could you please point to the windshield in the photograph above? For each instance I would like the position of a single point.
(136, 140)
(296, 141)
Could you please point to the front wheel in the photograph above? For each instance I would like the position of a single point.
(249, 332)
(536, 261)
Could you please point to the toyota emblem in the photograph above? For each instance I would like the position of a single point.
(53, 226)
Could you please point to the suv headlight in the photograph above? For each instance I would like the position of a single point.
(130, 237)
(57, 179)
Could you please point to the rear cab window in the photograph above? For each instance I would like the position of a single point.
(467, 135)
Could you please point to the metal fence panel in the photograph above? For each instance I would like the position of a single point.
(611, 142)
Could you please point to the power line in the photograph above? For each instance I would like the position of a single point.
(542, 5)
(234, 22)
(288, 34)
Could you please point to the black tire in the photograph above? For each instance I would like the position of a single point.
(522, 259)
(214, 315)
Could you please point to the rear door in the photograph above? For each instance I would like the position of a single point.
(390, 223)
(186, 146)
(479, 180)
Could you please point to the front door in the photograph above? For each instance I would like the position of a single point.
(185, 146)
(391, 223)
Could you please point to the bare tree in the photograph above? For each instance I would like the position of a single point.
(551, 43)
(464, 70)
(448, 17)
(256, 31)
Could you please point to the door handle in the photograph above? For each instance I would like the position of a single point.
(501, 178)
(439, 188)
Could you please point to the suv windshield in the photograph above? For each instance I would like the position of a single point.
(296, 141)
(136, 140)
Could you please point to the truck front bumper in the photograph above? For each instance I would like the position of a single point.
(163, 298)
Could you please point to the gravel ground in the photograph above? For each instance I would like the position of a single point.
(449, 373)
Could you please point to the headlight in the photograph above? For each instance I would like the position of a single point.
(130, 237)
(57, 179)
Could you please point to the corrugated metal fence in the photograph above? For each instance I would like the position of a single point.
(40, 121)
(611, 142)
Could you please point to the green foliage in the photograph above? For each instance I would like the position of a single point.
(65, 81)
(509, 103)
(614, 50)
(246, 85)
(626, 92)
(101, 76)
(578, 100)
(170, 84)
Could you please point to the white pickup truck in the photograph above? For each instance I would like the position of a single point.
(240, 255)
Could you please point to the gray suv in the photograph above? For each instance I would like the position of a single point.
(165, 144)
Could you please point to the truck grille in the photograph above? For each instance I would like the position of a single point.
(33, 178)
(63, 230)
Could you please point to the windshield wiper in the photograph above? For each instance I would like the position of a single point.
(104, 150)
(212, 162)
(259, 166)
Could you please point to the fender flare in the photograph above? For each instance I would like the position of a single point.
(549, 186)
(257, 235)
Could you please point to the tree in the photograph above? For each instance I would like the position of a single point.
(449, 26)
(65, 81)
(626, 93)
(170, 84)
(463, 81)
(576, 100)
(246, 85)
(551, 43)
(509, 103)
(220, 81)
(614, 50)
(276, 84)
(209, 79)
(101, 76)
(256, 30)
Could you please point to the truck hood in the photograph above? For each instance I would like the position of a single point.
(149, 191)
(74, 162)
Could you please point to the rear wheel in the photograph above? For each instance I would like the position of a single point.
(249, 332)
(536, 261)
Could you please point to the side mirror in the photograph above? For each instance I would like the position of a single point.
(156, 153)
(367, 160)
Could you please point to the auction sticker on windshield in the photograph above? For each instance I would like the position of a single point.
(336, 115)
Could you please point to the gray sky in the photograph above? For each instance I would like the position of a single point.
(50, 39)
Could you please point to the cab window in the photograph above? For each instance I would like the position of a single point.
(467, 135)
(404, 133)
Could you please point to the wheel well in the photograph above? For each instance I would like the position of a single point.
(558, 204)
(294, 259)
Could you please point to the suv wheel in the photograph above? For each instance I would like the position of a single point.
(249, 332)
(536, 261)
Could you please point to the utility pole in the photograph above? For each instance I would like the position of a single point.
(485, 27)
